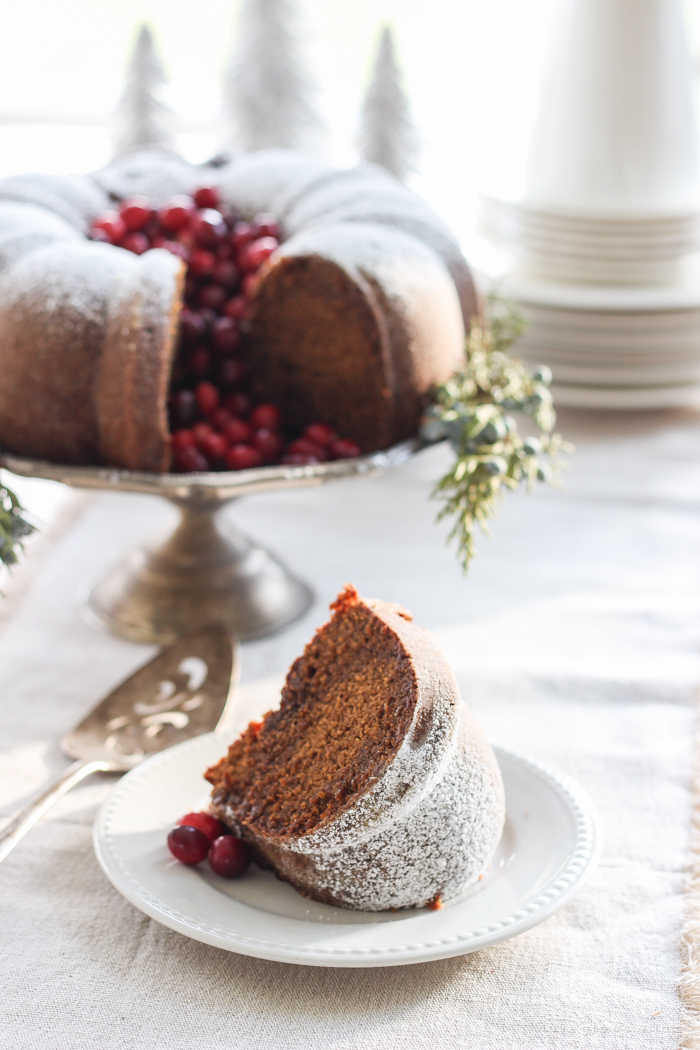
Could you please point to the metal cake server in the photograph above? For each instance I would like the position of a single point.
(182, 692)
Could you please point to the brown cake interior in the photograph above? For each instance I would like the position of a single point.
(317, 350)
(346, 707)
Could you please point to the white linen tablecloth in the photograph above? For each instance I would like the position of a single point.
(574, 637)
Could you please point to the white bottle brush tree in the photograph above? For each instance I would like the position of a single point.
(387, 134)
(268, 92)
(141, 119)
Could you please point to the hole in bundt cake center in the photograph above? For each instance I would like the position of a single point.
(346, 708)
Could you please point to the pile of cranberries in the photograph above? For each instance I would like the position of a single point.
(199, 835)
(213, 421)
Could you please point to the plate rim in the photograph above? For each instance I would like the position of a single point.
(554, 895)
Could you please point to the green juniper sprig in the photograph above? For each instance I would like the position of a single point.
(472, 409)
(14, 527)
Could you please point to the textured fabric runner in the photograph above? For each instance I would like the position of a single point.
(575, 638)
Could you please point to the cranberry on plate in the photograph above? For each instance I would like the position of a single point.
(187, 844)
(211, 827)
(229, 856)
(198, 835)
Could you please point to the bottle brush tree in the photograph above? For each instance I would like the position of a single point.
(387, 134)
(268, 92)
(141, 119)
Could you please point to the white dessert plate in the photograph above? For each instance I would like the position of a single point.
(585, 374)
(582, 297)
(549, 848)
(685, 395)
(656, 324)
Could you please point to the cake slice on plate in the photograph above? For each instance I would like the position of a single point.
(372, 787)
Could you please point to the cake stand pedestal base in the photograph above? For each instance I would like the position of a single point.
(203, 572)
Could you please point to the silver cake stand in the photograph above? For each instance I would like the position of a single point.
(204, 571)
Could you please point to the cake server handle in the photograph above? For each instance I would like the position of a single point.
(25, 820)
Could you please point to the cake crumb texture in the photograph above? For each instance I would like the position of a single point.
(346, 707)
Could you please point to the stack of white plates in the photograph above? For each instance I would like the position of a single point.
(613, 347)
(593, 248)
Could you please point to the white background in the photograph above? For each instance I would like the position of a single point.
(472, 70)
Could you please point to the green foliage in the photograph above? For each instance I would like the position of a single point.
(13, 526)
(473, 409)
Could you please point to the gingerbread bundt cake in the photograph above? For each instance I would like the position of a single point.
(350, 322)
(372, 786)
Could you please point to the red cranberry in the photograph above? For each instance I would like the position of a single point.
(100, 235)
(211, 827)
(242, 233)
(191, 288)
(212, 296)
(226, 273)
(238, 432)
(208, 228)
(298, 459)
(225, 251)
(175, 215)
(253, 255)
(135, 213)
(249, 285)
(231, 372)
(135, 242)
(265, 225)
(243, 457)
(173, 247)
(345, 449)
(269, 443)
(321, 434)
(190, 461)
(308, 448)
(268, 416)
(182, 439)
(229, 856)
(214, 448)
(199, 361)
(201, 432)
(112, 224)
(207, 397)
(207, 197)
(188, 845)
(219, 419)
(192, 325)
(202, 263)
(183, 408)
(225, 334)
(239, 404)
(236, 308)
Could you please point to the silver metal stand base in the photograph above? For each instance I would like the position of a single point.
(204, 572)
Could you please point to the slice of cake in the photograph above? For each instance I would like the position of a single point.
(372, 786)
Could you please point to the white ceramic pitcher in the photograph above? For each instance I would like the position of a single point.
(617, 129)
